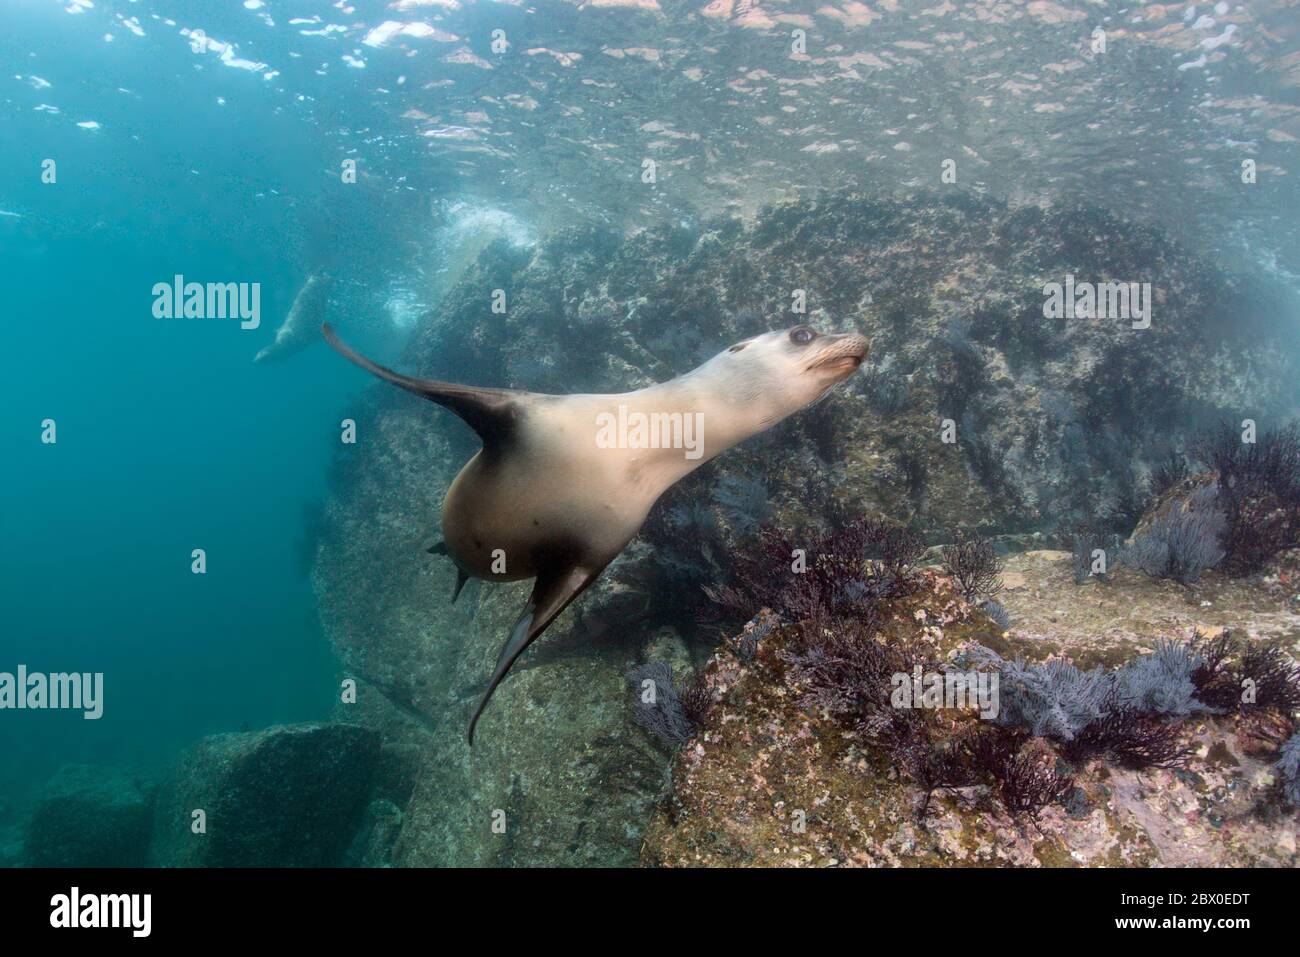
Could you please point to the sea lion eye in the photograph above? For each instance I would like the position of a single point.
(802, 335)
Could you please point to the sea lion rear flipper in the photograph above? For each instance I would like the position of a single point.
(491, 413)
(551, 595)
(461, 579)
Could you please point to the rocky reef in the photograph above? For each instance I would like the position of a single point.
(1054, 417)
(769, 781)
(1054, 423)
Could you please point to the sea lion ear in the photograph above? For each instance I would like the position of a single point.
(492, 413)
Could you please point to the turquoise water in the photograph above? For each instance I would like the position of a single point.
(167, 160)
(168, 437)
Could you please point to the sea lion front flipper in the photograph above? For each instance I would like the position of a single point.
(552, 593)
(492, 413)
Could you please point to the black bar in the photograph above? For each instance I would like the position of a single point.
(235, 906)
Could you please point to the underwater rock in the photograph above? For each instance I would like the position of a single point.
(767, 782)
(90, 817)
(287, 796)
(373, 844)
(11, 847)
(422, 664)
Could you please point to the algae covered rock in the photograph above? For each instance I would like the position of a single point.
(90, 817)
(286, 796)
(770, 781)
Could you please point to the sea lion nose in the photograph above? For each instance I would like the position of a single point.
(859, 345)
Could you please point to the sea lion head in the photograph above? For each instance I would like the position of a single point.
(791, 368)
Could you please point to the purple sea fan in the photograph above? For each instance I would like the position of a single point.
(670, 711)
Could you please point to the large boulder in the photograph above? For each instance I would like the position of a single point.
(90, 817)
(287, 796)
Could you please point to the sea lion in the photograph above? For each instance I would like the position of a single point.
(306, 316)
(564, 482)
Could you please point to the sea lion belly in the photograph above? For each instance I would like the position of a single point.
(502, 520)
(553, 494)
(487, 525)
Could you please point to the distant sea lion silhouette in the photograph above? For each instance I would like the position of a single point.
(306, 316)
(564, 482)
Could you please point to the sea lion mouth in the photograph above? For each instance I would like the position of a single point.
(842, 354)
(849, 361)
